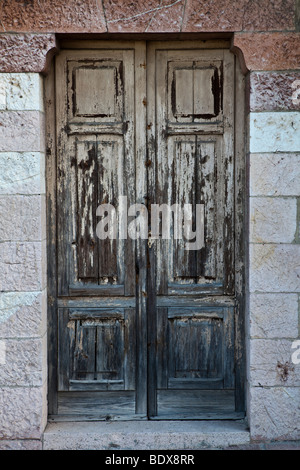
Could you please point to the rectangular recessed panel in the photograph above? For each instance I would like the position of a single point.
(195, 348)
(195, 91)
(98, 352)
(183, 83)
(204, 99)
(95, 91)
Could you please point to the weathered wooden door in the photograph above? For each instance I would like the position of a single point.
(145, 325)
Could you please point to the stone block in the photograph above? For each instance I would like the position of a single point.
(23, 91)
(26, 52)
(273, 315)
(274, 268)
(274, 413)
(153, 16)
(271, 364)
(23, 314)
(22, 415)
(22, 173)
(274, 91)
(267, 16)
(53, 15)
(145, 435)
(22, 266)
(274, 132)
(22, 131)
(273, 220)
(26, 444)
(24, 364)
(268, 50)
(21, 218)
(275, 174)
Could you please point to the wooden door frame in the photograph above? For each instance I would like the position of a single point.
(241, 219)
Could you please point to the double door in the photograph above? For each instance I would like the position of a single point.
(145, 306)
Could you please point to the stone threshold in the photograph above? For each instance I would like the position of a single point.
(145, 435)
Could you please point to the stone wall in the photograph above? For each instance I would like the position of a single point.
(274, 394)
(23, 364)
(265, 37)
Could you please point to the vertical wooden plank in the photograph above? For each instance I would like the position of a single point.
(241, 238)
(130, 349)
(183, 105)
(163, 339)
(66, 185)
(83, 352)
(207, 174)
(203, 96)
(109, 164)
(141, 245)
(181, 347)
(227, 162)
(155, 316)
(163, 161)
(50, 174)
(66, 339)
(129, 155)
(229, 366)
(87, 197)
(110, 350)
(184, 184)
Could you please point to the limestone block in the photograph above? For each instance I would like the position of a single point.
(273, 315)
(22, 173)
(22, 266)
(271, 364)
(22, 131)
(26, 444)
(275, 174)
(274, 268)
(274, 413)
(273, 219)
(21, 218)
(24, 364)
(23, 91)
(275, 132)
(23, 314)
(22, 415)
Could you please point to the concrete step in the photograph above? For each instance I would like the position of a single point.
(145, 435)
